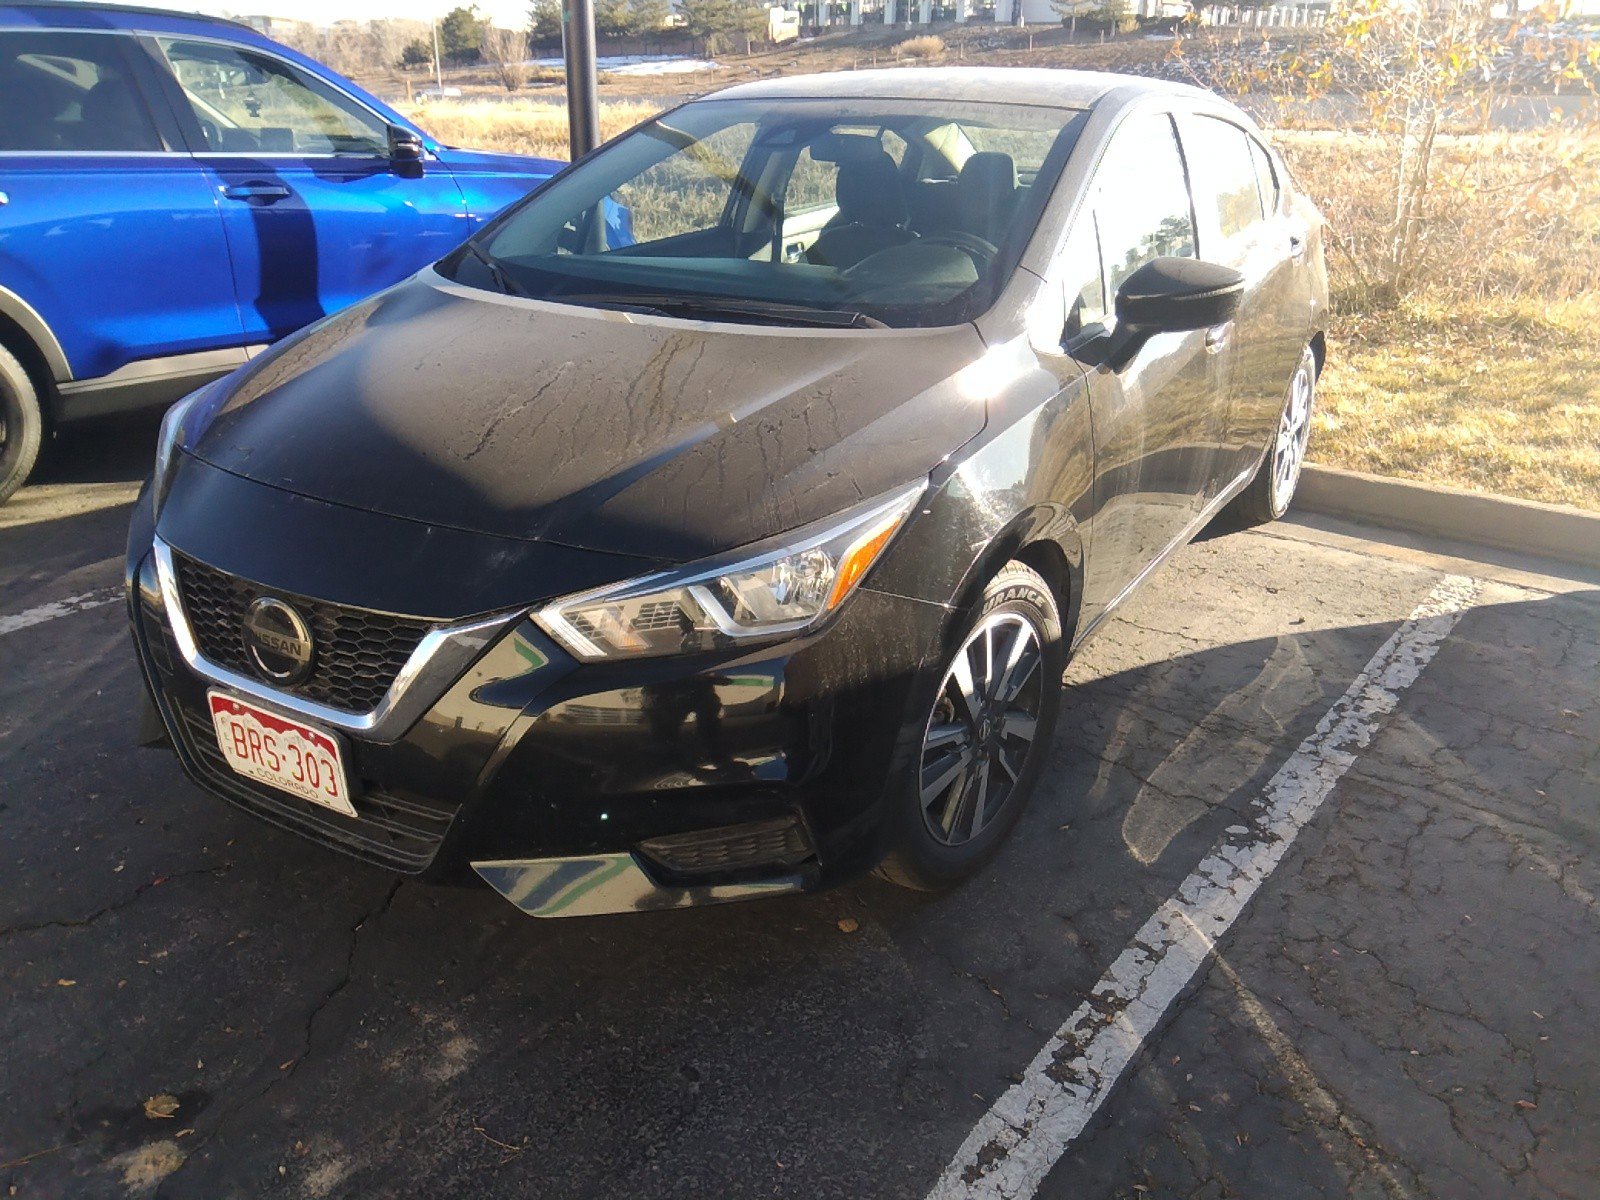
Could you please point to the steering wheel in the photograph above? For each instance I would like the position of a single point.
(981, 251)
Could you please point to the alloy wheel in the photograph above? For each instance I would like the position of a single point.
(982, 727)
(1294, 429)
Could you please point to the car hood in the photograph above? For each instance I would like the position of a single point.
(662, 439)
(537, 167)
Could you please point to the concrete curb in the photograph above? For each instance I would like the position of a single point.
(1547, 530)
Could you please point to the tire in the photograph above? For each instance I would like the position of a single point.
(21, 425)
(1269, 494)
(942, 834)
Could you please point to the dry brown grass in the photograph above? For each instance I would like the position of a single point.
(1500, 396)
(1489, 376)
(1490, 379)
(922, 49)
(519, 126)
(1511, 215)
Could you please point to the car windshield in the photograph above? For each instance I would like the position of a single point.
(860, 212)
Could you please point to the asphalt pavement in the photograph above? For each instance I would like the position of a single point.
(1306, 907)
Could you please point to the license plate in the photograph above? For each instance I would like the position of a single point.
(280, 753)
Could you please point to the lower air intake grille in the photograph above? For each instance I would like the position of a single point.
(395, 831)
(358, 653)
(782, 842)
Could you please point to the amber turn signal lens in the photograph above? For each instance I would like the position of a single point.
(861, 556)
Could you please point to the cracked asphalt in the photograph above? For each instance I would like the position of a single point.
(1407, 1008)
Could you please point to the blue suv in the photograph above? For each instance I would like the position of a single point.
(176, 192)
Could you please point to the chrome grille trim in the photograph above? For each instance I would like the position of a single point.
(437, 662)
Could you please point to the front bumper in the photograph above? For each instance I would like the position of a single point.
(583, 788)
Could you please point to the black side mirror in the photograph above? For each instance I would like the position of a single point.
(1169, 295)
(405, 148)
(1175, 295)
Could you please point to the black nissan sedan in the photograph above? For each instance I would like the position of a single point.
(718, 521)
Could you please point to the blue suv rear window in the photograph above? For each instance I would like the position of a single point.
(70, 92)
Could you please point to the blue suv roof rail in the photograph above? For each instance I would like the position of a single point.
(88, 6)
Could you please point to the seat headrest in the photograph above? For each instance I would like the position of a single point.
(986, 190)
(110, 120)
(868, 190)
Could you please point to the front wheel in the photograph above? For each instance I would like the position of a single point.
(983, 738)
(21, 425)
(1272, 490)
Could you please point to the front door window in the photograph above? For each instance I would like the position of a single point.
(249, 103)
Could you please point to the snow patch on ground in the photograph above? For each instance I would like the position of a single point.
(640, 64)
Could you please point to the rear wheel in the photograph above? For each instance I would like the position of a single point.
(983, 738)
(21, 424)
(1272, 490)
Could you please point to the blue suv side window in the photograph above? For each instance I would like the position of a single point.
(70, 93)
(254, 104)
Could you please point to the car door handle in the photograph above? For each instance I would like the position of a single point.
(256, 191)
(1217, 337)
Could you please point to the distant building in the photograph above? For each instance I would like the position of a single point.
(270, 25)
(783, 24)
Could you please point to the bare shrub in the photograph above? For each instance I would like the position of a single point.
(1435, 196)
(505, 51)
(1509, 215)
(923, 49)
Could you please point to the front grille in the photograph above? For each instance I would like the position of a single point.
(781, 842)
(402, 832)
(358, 653)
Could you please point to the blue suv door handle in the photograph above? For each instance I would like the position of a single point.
(264, 192)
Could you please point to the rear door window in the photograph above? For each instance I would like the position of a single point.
(71, 92)
(1266, 177)
(1227, 198)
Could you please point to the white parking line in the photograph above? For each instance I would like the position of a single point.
(59, 608)
(1013, 1147)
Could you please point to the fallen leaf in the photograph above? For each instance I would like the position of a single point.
(66, 983)
(1525, 1104)
(848, 925)
(161, 1107)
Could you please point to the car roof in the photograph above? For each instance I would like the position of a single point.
(1005, 85)
(78, 14)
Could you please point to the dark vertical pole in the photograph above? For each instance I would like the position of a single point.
(583, 96)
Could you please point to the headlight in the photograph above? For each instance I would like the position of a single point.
(174, 426)
(782, 587)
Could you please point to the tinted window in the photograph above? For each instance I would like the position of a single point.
(1223, 175)
(70, 91)
(1142, 200)
(1085, 285)
(814, 180)
(685, 210)
(248, 103)
(685, 192)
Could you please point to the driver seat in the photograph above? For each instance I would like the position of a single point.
(872, 212)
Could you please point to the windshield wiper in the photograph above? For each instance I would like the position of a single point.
(675, 304)
(496, 271)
